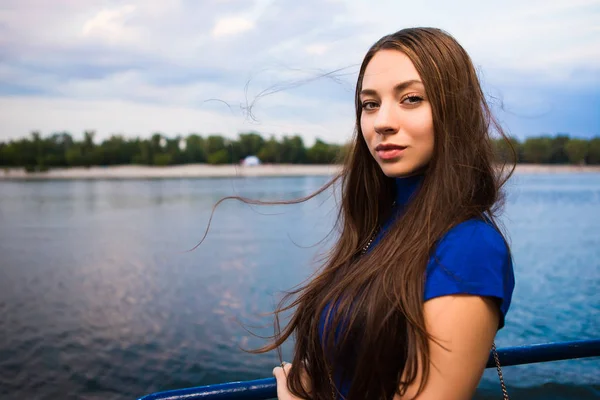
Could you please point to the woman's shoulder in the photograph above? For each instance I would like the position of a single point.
(472, 258)
(474, 233)
(472, 244)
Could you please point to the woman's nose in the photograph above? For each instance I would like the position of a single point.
(387, 120)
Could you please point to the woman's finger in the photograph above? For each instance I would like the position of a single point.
(281, 374)
(286, 368)
(277, 371)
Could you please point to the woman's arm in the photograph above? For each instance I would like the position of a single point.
(466, 326)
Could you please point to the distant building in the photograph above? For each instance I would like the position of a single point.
(250, 161)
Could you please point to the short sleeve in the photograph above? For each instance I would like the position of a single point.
(472, 258)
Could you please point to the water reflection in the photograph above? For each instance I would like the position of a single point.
(99, 298)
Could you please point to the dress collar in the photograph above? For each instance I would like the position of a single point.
(406, 188)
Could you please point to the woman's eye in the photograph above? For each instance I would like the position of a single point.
(369, 105)
(412, 99)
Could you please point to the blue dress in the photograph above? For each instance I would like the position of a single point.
(471, 258)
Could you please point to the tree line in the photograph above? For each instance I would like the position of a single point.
(60, 150)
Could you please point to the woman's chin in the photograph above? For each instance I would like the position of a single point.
(397, 170)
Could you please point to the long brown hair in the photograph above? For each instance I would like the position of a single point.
(379, 296)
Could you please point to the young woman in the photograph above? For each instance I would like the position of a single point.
(412, 294)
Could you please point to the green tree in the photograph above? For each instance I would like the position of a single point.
(577, 151)
(158, 142)
(144, 153)
(234, 150)
(160, 145)
(74, 156)
(38, 148)
(594, 151)
(172, 148)
(56, 148)
(250, 144)
(162, 159)
(558, 154)
(88, 155)
(293, 150)
(219, 157)
(322, 153)
(194, 149)
(537, 150)
(26, 151)
(8, 155)
(270, 151)
(116, 151)
(214, 143)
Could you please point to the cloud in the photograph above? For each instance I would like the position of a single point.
(159, 56)
(317, 49)
(231, 26)
(111, 25)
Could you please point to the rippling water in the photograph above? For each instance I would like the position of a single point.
(99, 298)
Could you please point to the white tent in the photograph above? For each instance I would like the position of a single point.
(251, 161)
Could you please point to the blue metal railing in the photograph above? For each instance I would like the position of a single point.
(261, 389)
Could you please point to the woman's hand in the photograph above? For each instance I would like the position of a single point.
(281, 375)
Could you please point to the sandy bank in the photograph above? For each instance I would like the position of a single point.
(213, 171)
(176, 171)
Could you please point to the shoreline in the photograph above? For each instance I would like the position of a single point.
(230, 171)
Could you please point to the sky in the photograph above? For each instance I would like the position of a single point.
(277, 67)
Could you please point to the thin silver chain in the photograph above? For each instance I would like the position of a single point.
(364, 250)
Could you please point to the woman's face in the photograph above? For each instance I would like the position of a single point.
(396, 119)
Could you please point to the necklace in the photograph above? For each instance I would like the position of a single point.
(364, 249)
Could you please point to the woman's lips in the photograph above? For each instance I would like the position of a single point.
(389, 153)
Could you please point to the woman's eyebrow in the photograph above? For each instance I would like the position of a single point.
(398, 88)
